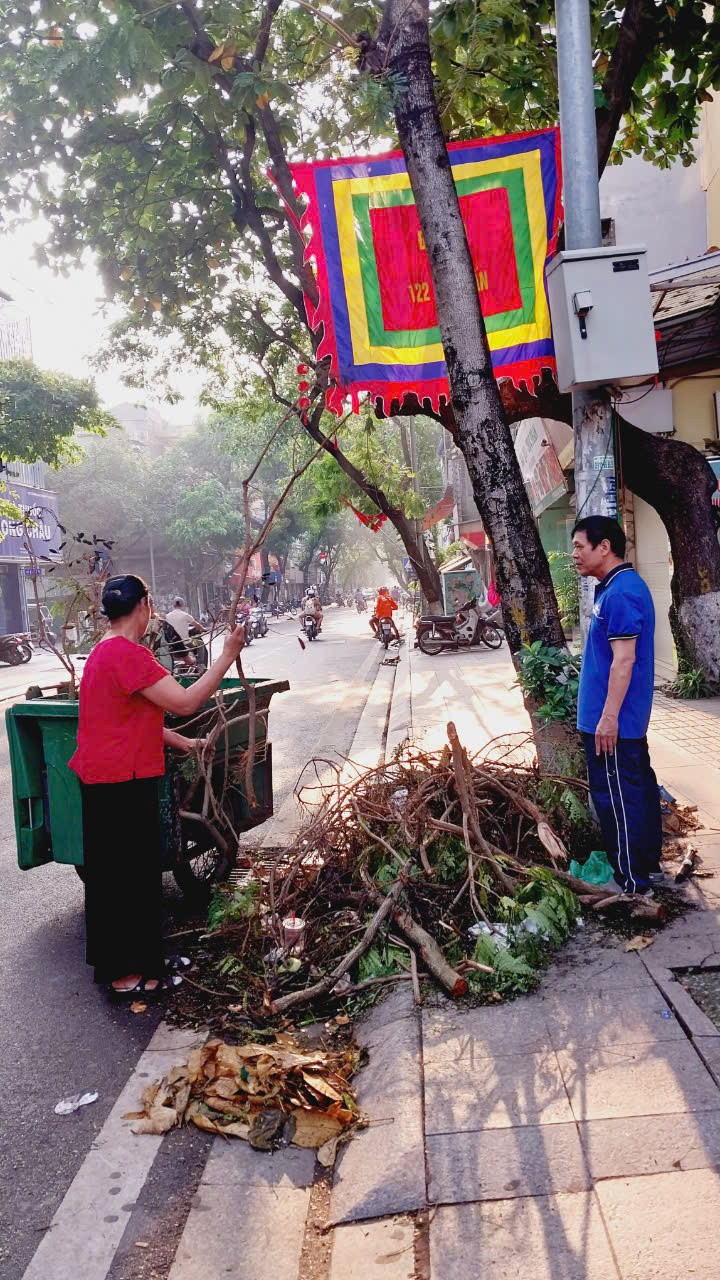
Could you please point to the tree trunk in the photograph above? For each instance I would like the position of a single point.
(523, 576)
(426, 570)
(677, 481)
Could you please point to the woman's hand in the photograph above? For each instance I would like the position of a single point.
(234, 642)
(186, 746)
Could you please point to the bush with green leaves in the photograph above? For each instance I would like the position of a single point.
(540, 917)
(549, 676)
(233, 905)
(689, 682)
(567, 587)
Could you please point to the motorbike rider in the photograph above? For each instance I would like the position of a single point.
(385, 607)
(181, 621)
(311, 604)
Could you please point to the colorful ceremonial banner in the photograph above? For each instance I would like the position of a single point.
(377, 305)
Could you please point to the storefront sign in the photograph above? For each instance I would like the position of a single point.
(441, 510)
(541, 471)
(40, 510)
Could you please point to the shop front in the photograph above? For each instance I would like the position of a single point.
(18, 566)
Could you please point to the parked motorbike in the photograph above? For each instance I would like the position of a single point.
(310, 626)
(15, 649)
(468, 627)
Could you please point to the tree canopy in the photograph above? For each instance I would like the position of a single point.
(40, 412)
(144, 131)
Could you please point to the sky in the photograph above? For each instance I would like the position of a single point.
(68, 326)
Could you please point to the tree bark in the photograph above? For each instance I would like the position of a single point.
(402, 49)
(677, 481)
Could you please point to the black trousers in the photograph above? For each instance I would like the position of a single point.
(123, 879)
(624, 790)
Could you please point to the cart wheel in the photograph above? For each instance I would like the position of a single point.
(200, 869)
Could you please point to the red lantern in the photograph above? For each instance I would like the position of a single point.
(304, 386)
(303, 368)
(303, 402)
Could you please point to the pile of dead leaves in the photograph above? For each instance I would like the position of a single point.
(269, 1094)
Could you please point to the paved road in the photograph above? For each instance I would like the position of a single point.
(60, 1035)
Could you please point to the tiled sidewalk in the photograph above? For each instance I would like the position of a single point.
(571, 1135)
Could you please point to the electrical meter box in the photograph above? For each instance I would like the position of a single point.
(602, 318)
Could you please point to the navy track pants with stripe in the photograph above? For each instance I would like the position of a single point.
(624, 790)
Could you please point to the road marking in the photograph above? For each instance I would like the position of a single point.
(84, 1235)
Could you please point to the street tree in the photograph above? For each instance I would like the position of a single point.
(41, 412)
(152, 139)
(106, 490)
(655, 65)
(152, 148)
(380, 450)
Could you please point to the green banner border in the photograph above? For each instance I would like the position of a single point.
(514, 183)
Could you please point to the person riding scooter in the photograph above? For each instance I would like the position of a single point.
(385, 607)
(311, 604)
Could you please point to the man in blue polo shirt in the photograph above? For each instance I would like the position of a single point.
(614, 704)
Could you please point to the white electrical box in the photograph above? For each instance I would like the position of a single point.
(602, 318)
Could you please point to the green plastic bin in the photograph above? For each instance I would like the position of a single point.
(42, 736)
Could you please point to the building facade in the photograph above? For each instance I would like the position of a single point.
(25, 486)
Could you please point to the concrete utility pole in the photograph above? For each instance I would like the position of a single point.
(595, 472)
(417, 524)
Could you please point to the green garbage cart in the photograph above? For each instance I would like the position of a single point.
(198, 844)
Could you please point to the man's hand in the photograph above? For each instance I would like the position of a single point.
(234, 642)
(606, 734)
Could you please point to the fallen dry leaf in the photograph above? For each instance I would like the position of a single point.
(321, 1086)
(313, 1128)
(138, 1006)
(159, 1120)
(327, 1153)
(550, 841)
(266, 1094)
(640, 942)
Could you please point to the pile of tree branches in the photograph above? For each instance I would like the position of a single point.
(428, 866)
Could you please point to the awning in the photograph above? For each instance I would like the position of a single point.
(686, 311)
(457, 563)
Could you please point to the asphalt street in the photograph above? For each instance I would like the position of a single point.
(61, 1036)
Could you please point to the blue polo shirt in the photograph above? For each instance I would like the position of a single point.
(623, 609)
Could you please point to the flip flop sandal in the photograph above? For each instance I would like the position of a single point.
(168, 982)
(176, 964)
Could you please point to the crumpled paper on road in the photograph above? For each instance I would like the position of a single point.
(268, 1094)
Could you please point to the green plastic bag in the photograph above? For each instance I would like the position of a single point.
(596, 870)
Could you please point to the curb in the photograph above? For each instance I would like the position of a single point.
(400, 720)
(368, 745)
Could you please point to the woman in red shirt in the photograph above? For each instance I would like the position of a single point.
(120, 754)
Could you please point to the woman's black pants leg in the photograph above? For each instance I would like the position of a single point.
(123, 879)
